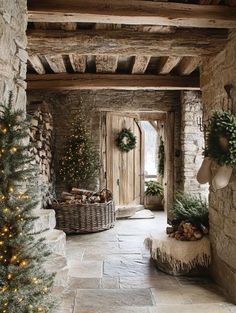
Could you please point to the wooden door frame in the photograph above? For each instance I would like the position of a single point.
(142, 161)
(103, 154)
(169, 142)
(169, 154)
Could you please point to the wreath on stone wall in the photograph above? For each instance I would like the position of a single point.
(126, 140)
(221, 138)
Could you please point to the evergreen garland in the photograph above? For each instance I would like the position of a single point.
(221, 138)
(161, 158)
(25, 287)
(80, 163)
(126, 140)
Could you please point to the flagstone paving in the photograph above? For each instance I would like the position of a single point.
(111, 272)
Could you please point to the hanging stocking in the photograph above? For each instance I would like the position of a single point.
(204, 174)
(222, 177)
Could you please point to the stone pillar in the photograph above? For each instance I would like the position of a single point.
(216, 72)
(13, 65)
(13, 55)
(192, 142)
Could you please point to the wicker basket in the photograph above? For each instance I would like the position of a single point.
(84, 218)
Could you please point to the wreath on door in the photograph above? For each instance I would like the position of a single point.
(126, 140)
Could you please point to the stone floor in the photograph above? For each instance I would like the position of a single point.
(110, 272)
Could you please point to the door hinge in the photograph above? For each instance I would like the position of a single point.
(118, 182)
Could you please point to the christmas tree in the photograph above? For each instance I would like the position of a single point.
(80, 163)
(25, 287)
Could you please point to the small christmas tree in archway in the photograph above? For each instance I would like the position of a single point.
(24, 285)
(80, 163)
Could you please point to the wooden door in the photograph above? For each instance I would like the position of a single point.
(123, 169)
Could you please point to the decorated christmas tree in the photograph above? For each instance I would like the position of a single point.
(80, 163)
(25, 287)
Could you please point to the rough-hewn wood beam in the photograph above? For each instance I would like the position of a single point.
(106, 63)
(63, 26)
(231, 3)
(131, 12)
(56, 63)
(111, 81)
(152, 116)
(37, 64)
(167, 64)
(190, 42)
(188, 65)
(140, 64)
(78, 62)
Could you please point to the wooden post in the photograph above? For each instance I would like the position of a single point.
(169, 162)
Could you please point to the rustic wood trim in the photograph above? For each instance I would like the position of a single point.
(37, 64)
(188, 65)
(132, 12)
(142, 161)
(167, 64)
(140, 64)
(152, 116)
(66, 81)
(182, 42)
(169, 162)
(56, 63)
(106, 63)
(103, 154)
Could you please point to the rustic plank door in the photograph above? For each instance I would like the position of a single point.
(123, 170)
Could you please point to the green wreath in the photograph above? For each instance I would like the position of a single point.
(221, 138)
(126, 140)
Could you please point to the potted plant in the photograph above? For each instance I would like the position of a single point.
(153, 195)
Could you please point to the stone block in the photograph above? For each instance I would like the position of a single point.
(56, 241)
(46, 220)
(224, 276)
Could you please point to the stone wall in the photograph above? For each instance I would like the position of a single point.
(42, 141)
(215, 73)
(13, 56)
(66, 104)
(192, 142)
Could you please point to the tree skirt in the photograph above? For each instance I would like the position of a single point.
(181, 256)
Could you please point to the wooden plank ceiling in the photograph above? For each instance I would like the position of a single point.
(100, 48)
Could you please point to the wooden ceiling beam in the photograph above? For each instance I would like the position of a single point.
(106, 63)
(188, 65)
(167, 64)
(140, 64)
(56, 63)
(111, 81)
(151, 116)
(78, 62)
(37, 64)
(132, 12)
(190, 42)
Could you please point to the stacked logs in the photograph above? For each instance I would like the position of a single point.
(186, 231)
(41, 138)
(81, 196)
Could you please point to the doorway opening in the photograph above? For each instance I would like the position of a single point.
(127, 173)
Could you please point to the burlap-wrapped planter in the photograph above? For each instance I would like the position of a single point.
(180, 258)
(84, 218)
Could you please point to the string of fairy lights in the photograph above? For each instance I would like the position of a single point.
(14, 235)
